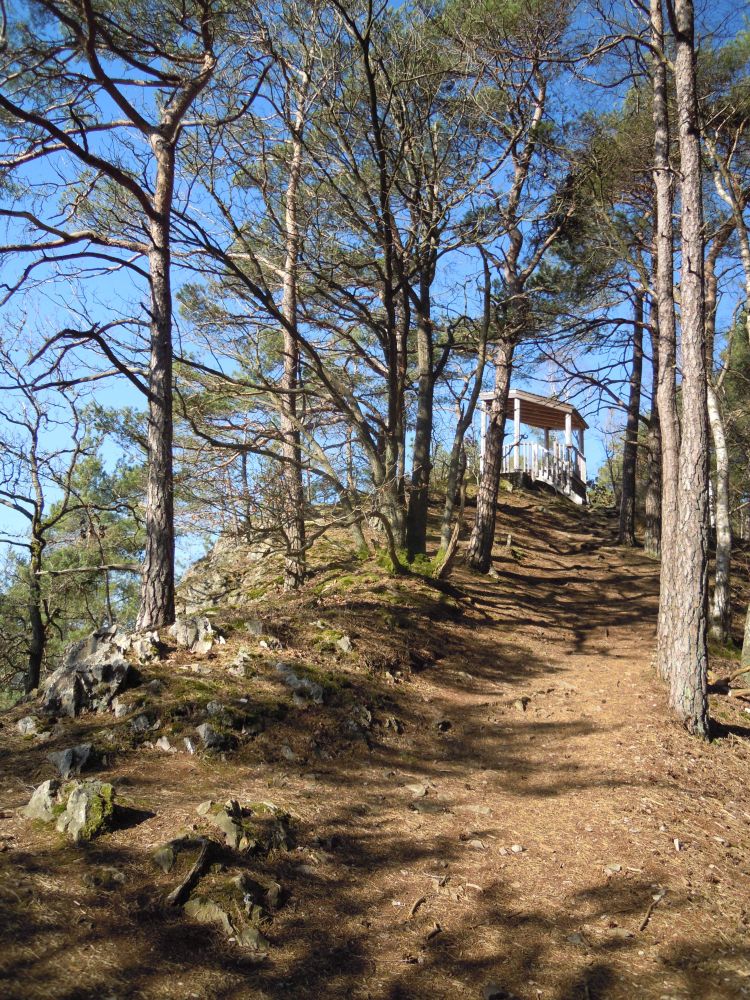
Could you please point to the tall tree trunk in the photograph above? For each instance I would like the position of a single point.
(745, 658)
(630, 449)
(721, 608)
(37, 637)
(721, 599)
(293, 514)
(688, 698)
(666, 394)
(652, 527)
(479, 550)
(416, 522)
(157, 580)
(457, 460)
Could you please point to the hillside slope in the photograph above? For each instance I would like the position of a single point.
(484, 797)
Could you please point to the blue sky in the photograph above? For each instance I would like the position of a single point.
(119, 293)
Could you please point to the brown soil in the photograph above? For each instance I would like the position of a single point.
(634, 878)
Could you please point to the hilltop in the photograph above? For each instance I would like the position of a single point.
(462, 789)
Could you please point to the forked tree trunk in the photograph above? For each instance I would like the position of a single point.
(666, 394)
(626, 534)
(157, 581)
(688, 697)
(479, 550)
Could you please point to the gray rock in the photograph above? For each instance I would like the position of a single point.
(73, 760)
(228, 819)
(141, 723)
(207, 911)
(344, 644)
(189, 745)
(89, 811)
(165, 857)
(258, 897)
(212, 738)
(120, 708)
(106, 879)
(144, 647)
(93, 672)
(304, 688)
(494, 991)
(45, 801)
(255, 627)
(196, 634)
(163, 744)
(28, 726)
(214, 708)
(271, 643)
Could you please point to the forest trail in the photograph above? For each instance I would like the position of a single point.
(524, 823)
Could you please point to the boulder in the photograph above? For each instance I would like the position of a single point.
(304, 688)
(93, 672)
(196, 634)
(214, 739)
(344, 644)
(83, 809)
(260, 827)
(45, 803)
(89, 811)
(73, 760)
(28, 726)
(207, 911)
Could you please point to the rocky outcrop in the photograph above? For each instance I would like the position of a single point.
(89, 811)
(73, 760)
(82, 809)
(303, 687)
(196, 634)
(95, 670)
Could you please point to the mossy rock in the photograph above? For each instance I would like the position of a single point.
(89, 810)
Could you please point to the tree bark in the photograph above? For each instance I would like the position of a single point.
(652, 528)
(688, 697)
(666, 394)
(37, 638)
(721, 597)
(721, 608)
(416, 521)
(457, 460)
(294, 495)
(745, 658)
(157, 580)
(479, 551)
(626, 534)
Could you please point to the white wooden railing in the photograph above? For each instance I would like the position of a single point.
(557, 465)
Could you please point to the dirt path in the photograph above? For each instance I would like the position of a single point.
(536, 830)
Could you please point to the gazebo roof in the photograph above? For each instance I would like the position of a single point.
(541, 411)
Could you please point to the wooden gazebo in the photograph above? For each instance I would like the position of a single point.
(562, 466)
